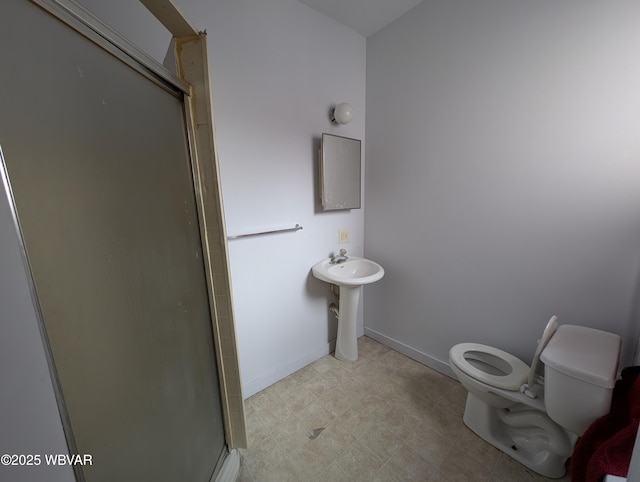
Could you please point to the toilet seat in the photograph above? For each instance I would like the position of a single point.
(514, 371)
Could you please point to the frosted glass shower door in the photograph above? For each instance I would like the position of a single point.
(98, 162)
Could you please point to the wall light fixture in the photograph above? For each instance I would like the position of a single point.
(341, 114)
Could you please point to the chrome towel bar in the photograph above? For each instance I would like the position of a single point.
(297, 227)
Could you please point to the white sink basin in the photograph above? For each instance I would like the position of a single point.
(352, 272)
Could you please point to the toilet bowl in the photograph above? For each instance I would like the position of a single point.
(537, 420)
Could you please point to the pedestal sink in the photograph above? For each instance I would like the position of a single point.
(350, 275)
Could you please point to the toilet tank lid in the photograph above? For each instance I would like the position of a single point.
(584, 353)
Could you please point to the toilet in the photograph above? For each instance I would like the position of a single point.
(537, 420)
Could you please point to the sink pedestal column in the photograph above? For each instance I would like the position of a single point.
(347, 340)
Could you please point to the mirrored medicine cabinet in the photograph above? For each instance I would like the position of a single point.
(339, 172)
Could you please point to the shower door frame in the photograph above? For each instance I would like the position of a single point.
(192, 78)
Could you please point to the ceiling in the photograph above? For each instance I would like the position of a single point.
(365, 16)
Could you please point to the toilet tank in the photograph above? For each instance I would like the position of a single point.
(580, 369)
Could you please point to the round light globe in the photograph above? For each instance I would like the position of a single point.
(343, 113)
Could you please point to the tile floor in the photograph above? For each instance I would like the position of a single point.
(384, 418)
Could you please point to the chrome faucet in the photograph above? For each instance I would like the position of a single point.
(339, 258)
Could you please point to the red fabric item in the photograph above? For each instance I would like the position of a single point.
(607, 445)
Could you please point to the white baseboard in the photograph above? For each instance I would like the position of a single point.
(254, 386)
(258, 384)
(428, 360)
(230, 468)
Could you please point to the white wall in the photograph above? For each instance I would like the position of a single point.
(277, 66)
(503, 173)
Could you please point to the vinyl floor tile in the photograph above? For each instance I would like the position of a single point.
(385, 418)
